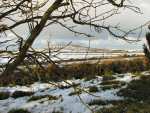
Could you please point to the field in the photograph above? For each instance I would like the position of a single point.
(79, 85)
(69, 96)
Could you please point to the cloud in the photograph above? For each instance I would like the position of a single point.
(127, 19)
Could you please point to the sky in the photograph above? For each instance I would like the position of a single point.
(127, 19)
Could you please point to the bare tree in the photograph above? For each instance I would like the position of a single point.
(38, 14)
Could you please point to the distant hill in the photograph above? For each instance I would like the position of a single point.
(75, 48)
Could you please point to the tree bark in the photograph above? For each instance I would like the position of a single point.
(28, 43)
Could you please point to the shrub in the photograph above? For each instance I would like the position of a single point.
(136, 65)
(45, 74)
(18, 94)
(108, 77)
(139, 64)
(86, 70)
(75, 93)
(19, 111)
(93, 89)
(38, 73)
(97, 102)
(104, 102)
(136, 74)
(111, 82)
(83, 70)
(53, 72)
(126, 107)
(4, 95)
(137, 89)
(113, 86)
(50, 97)
(57, 111)
(120, 66)
(17, 78)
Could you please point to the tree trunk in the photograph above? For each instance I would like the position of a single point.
(34, 33)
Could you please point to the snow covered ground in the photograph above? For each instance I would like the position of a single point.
(74, 55)
(80, 55)
(66, 103)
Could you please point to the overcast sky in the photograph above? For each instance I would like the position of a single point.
(127, 19)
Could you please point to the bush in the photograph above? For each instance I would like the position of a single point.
(137, 74)
(83, 70)
(107, 77)
(137, 89)
(75, 93)
(78, 71)
(19, 111)
(51, 72)
(18, 94)
(93, 89)
(126, 107)
(108, 87)
(4, 95)
(50, 97)
(111, 82)
(17, 78)
(57, 111)
(135, 65)
(97, 102)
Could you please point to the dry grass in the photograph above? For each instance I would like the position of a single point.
(79, 70)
